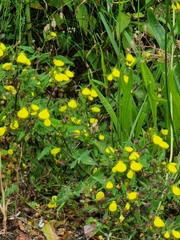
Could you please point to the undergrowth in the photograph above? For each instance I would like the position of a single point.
(89, 117)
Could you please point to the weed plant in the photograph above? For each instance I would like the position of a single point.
(103, 138)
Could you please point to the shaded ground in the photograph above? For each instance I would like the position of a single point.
(21, 229)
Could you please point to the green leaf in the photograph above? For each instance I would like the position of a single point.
(149, 84)
(122, 23)
(106, 105)
(5, 110)
(44, 152)
(82, 17)
(111, 37)
(157, 28)
(176, 77)
(173, 93)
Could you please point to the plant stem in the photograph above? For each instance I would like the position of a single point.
(3, 205)
(28, 22)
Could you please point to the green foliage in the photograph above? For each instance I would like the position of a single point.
(89, 113)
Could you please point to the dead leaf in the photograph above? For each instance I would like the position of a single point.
(21, 226)
(49, 232)
(89, 229)
(21, 235)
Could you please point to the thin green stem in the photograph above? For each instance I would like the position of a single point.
(28, 22)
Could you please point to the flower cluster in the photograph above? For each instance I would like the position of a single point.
(159, 223)
(159, 141)
(60, 73)
(130, 60)
(23, 59)
(89, 93)
(116, 74)
(7, 66)
(176, 6)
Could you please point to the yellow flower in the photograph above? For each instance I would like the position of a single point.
(120, 167)
(110, 77)
(166, 234)
(1, 53)
(127, 206)
(60, 77)
(147, 54)
(99, 196)
(176, 234)
(121, 218)
(95, 170)
(23, 113)
(136, 166)
(76, 133)
(93, 93)
(128, 149)
(2, 46)
(109, 185)
(164, 145)
(10, 151)
(164, 132)
(75, 120)
(116, 73)
(47, 122)
(63, 108)
(34, 107)
(85, 133)
(126, 79)
(7, 66)
(93, 120)
(72, 104)
(55, 151)
(14, 125)
(2, 131)
(86, 91)
(44, 114)
(172, 167)
(130, 174)
(175, 190)
(156, 139)
(175, 6)
(33, 113)
(113, 206)
(58, 63)
(109, 150)
(95, 109)
(101, 137)
(52, 203)
(130, 60)
(134, 156)
(69, 73)
(23, 59)
(11, 89)
(132, 196)
(158, 222)
(53, 34)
